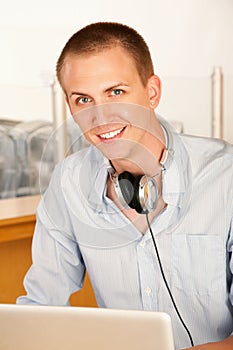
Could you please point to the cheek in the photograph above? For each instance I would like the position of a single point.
(89, 137)
(138, 133)
(92, 138)
(142, 97)
(84, 120)
(145, 101)
(139, 119)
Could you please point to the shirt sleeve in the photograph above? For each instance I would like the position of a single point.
(57, 268)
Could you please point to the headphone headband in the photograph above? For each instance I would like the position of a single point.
(168, 152)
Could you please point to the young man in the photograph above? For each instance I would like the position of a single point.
(141, 181)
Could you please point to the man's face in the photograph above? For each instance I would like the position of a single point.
(108, 100)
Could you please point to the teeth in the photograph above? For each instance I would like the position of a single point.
(111, 134)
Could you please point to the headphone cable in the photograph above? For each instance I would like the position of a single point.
(166, 284)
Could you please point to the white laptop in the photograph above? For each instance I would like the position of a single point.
(72, 328)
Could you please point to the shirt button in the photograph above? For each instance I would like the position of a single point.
(148, 290)
(142, 244)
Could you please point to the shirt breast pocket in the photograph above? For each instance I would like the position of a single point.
(199, 263)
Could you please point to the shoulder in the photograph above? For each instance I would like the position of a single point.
(198, 146)
(72, 179)
(209, 158)
(80, 166)
(87, 159)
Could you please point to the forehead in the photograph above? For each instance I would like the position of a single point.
(114, 63)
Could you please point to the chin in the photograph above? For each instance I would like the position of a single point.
(114, 151)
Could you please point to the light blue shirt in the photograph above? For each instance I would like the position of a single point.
(79, 228)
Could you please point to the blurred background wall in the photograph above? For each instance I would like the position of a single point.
(187, 38)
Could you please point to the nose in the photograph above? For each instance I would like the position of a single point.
(96, 115)
(100, 100)
(101, 113)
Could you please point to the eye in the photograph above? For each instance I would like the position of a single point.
(83, 100)
(117, 92)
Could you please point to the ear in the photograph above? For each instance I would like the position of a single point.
(154, 90)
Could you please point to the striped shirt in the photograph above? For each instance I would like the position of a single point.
(79, 228)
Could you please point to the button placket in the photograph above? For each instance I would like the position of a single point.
(147, 275)
(148, 290)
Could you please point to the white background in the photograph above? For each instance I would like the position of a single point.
(187, 39)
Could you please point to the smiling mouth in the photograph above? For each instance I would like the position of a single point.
(112, 134)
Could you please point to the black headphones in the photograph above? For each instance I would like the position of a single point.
(139, 192)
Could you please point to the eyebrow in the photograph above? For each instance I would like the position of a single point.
(112, 87)
(115, 86)
(77, 93)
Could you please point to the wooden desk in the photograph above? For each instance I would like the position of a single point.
(17, 222)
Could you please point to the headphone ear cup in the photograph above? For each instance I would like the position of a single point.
(135, 202)
(126, 184)
(129, 186)
(139, 193)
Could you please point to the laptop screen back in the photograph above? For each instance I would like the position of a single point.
(70, 328)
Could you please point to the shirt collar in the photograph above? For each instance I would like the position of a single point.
(176, 176)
